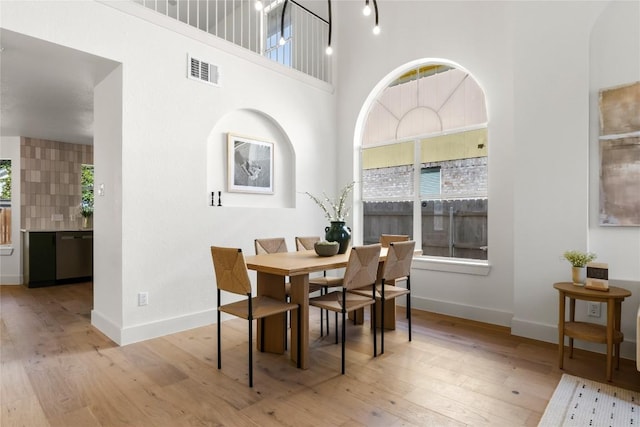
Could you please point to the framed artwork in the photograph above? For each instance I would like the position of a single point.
(249, 165)
(620, 155)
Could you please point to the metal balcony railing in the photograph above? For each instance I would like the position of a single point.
(238, 22)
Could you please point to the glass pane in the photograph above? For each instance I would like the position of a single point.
(388, 172)
(86, 207)
(455, 228)
(387, 218)
(5, 202)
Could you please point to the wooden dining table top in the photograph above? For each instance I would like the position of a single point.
(299, 262)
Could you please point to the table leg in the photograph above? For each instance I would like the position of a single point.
(561, 330)
(572, 318)
(300, 296)
(389, 314)
(357, 316)
(617, 328)
(274, 326)
(611, 306)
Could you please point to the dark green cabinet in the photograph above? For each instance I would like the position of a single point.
(39, 259)
(53, 257)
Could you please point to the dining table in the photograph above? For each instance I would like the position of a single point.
(272, 271)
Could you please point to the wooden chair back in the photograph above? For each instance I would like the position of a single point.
(398, 261)
(385, 239)
(362, 267)
(306, 243)
(231, 270)
(270, 246)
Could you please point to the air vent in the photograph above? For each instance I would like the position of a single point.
(202, 71)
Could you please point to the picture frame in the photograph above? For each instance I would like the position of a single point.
(250, 167)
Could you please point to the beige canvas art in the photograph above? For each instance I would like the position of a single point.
(620, 155)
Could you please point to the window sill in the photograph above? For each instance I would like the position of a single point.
(6, 250)
(462, 266)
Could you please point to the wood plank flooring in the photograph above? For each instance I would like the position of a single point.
(57, 370)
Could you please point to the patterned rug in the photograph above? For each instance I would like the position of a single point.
(581, 402)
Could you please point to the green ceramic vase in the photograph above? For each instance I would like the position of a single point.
(338, 232)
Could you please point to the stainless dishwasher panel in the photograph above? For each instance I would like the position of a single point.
(74, 254)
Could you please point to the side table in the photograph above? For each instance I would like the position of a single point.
(609, 334)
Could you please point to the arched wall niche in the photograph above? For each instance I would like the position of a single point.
(256, 125)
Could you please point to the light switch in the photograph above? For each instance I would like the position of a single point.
(101, 190)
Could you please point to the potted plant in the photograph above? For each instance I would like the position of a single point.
(336, 212)
(579, 261)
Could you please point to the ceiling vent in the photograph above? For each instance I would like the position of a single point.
(202, 71)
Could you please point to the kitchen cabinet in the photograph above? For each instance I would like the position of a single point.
(55, 257)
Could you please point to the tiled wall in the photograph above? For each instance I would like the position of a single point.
(50, 183)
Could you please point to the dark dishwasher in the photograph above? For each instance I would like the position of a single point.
(74, 255)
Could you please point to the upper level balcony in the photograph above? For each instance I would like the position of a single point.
(239, 22)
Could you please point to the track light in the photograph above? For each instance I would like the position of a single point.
(329, 50)
(376, 29)
(258, 5)
(367, 10)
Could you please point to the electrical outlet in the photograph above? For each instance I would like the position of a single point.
(143, 298)
(593, 309)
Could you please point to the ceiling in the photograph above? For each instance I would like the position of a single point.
(46, 90)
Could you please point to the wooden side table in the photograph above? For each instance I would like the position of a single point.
(609, 334)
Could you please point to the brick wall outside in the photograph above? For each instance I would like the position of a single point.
(458, 177)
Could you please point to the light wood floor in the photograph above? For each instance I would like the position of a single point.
(57, 370)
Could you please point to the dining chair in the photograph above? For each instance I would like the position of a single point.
(361, 270)
(397, 266)
(385, 239)
(322, 283)
(232, 276)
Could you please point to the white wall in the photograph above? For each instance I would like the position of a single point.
(11, 257)
(532, 60)
(168, 124)
(615, 60)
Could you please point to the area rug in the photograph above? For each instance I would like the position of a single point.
(581, 402)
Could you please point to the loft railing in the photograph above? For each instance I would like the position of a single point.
(238, 22)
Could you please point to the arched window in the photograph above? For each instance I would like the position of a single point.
(424, 162)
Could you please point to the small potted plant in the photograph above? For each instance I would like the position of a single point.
(579, 261)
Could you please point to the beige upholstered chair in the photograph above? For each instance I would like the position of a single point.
(361, 271)
(385, 239)
(271, 245)
(306, 243)
(318, 283)
(232, 276)
(397, 266)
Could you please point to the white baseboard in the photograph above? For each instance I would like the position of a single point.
(479, 314)
(146, 331)
(106, 326)
(168, 326)
(10, 279)
(519, 327)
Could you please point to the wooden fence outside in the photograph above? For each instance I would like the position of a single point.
(450, 228)
(5, 226)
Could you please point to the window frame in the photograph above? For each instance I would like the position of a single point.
(430, 262)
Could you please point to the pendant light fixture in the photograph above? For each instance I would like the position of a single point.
(329, 50)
